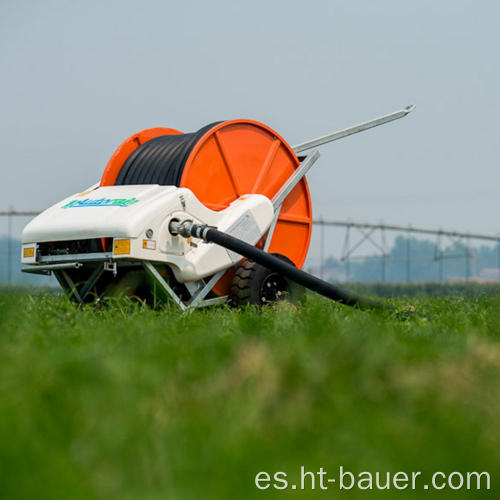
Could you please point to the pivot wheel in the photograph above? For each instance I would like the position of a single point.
(255, 284)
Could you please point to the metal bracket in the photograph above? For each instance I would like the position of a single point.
(202, 293)
(112, 267)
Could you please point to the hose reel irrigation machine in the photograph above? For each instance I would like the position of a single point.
(219, 215)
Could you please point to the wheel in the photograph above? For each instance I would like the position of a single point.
(255, 284)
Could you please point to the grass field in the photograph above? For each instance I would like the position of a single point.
(130, 403)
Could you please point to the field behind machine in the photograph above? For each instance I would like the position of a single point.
(126, 402)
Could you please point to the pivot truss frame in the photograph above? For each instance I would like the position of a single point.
(361, 235)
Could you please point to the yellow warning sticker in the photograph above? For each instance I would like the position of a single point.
(121, 247)
(28, 252)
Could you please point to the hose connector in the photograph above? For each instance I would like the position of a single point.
(188, 228)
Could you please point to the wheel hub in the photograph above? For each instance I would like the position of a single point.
(273, 288)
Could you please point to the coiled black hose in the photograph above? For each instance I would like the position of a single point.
(160, 160)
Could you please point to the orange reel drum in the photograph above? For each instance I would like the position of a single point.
(231, 159)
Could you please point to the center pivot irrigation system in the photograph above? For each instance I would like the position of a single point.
(221, 214)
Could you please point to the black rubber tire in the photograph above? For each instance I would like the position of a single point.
(251, 281)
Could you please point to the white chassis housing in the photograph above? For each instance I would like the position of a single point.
(137, 219)
(142, 214)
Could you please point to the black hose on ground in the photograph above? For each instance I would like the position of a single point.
(210, 234)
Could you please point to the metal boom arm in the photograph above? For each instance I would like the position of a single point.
(334, 136)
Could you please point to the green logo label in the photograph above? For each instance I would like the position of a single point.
(101, 202)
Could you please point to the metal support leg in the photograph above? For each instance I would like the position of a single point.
(408, 275)
(498, 259)
(384, 254)
(93, 279)
(345, 253)
(153, 272)
(202, 293)
(73, 290)
(467, 260)
(211, 302)
(9, 248)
